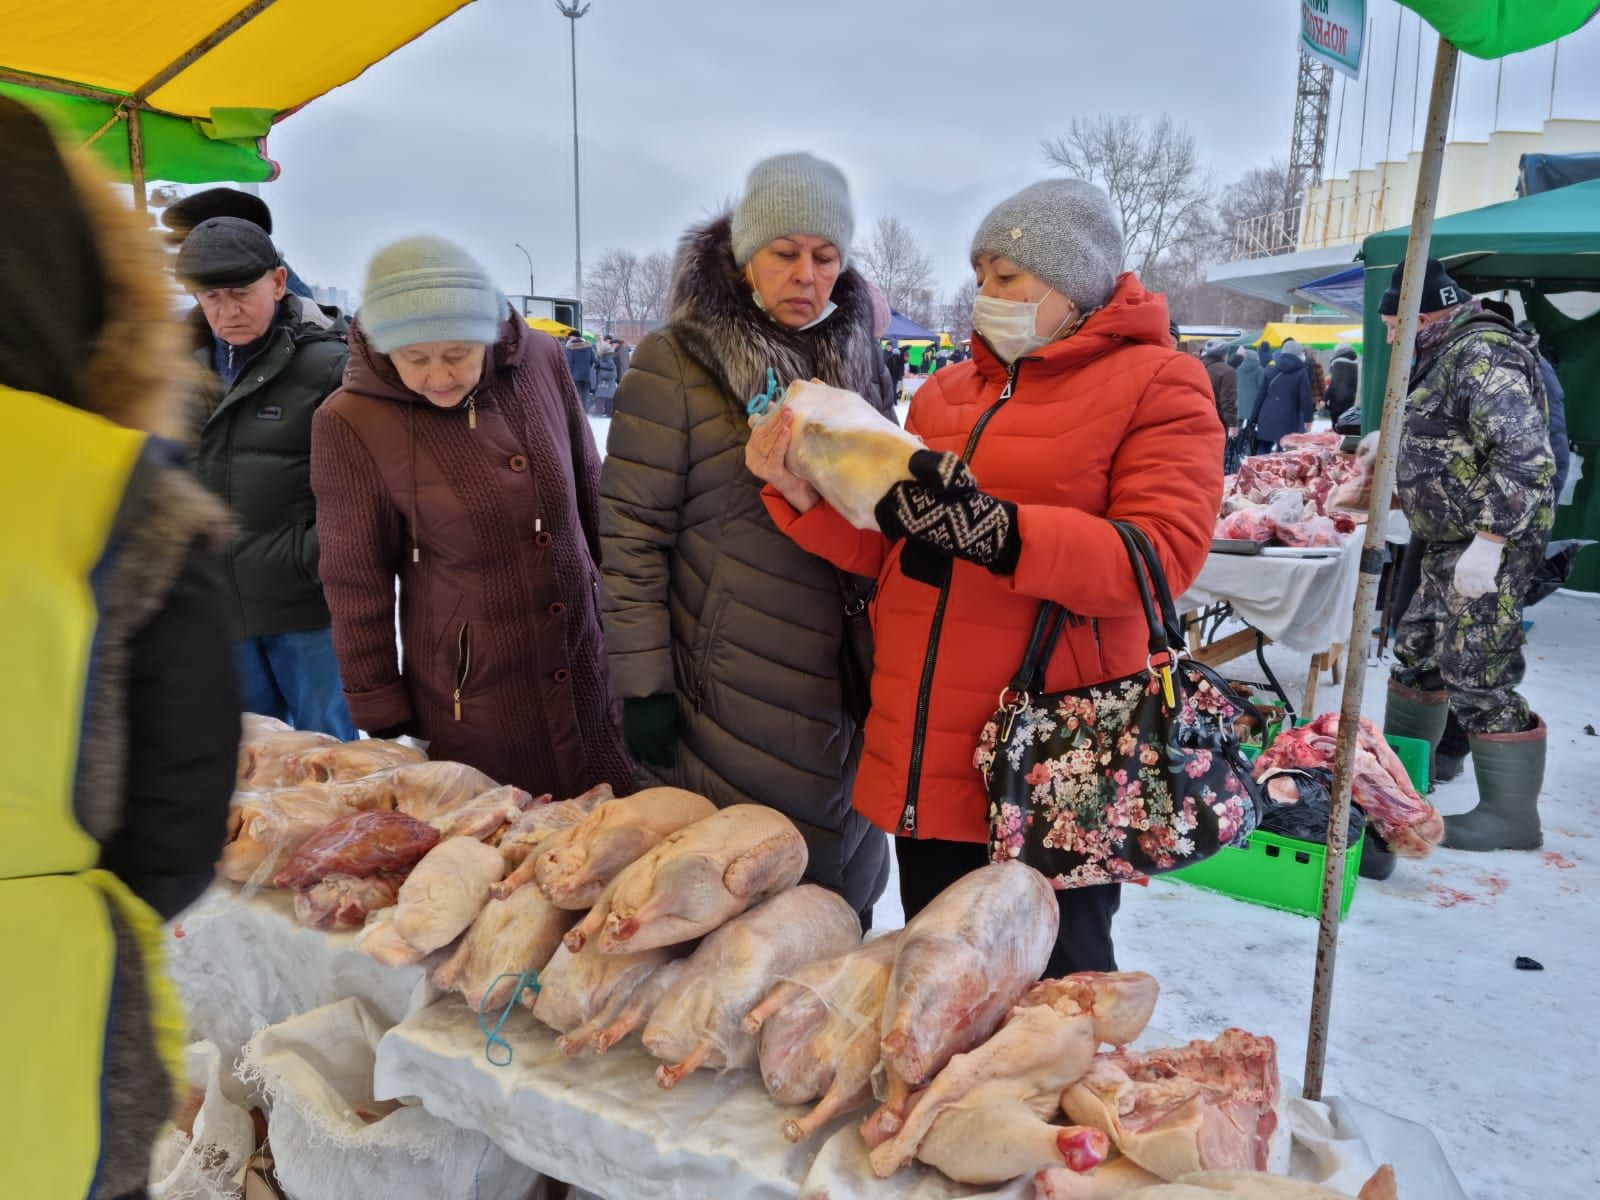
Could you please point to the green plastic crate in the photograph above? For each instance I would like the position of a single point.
(1286, 873)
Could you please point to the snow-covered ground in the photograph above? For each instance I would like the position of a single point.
(1430, 1018)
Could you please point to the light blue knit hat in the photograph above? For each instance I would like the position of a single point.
(792, 193)
(427, 289)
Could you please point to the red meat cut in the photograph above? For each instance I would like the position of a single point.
(362, 844)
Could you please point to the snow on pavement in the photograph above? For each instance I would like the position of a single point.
(1430, 1019)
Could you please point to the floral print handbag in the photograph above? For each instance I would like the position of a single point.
(1124, 779)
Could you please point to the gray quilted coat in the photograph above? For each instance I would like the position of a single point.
(704, 597)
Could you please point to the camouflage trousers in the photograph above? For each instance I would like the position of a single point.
(1471, 648)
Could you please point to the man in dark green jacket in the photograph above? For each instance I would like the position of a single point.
(274, 358)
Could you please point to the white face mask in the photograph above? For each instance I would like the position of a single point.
(828, 310)
(1011, 327)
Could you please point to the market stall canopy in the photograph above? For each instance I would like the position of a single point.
(208, 76)
(554, 328)
(1495, 28)
(903, 328)
(1315, 337)
(1545, 172)
(1341, 290)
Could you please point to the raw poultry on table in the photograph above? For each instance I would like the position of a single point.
(345, 901)
(266, 758)
(575, 865)
(346, 761)
(696, 880)
(265, 828)
(700, 1020)
(510, 936)
(628, 1013)
(532, 828)
(424, 790)
(819, 1033)
(441, 897)
(580, 993)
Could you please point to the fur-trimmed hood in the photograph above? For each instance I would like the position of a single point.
(716, 321)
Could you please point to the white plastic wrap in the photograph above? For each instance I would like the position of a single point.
(203, 1166)
(331, 1140)
(851, 453)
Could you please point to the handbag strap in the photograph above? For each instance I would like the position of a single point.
(1155, 595)
(1042, 641)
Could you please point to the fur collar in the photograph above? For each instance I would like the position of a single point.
(718, 324)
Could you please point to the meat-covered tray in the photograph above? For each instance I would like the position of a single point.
(1235, 546)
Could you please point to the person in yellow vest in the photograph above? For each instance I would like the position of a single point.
(119, 714)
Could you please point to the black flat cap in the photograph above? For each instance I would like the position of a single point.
(226, 252)
(185, 214)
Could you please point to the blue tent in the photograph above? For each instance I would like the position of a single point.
(1341, 290)
(903, 329)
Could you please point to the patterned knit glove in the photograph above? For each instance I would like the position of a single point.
(942, 507)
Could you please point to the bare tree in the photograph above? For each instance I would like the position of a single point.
(654, 287)
(1151, 171)
(958, 310)
(609, 285)
(893, 260)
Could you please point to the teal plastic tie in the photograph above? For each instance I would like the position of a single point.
(763, 402)
(526, 981)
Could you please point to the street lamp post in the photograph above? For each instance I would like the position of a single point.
(572, 12)
(529, 257)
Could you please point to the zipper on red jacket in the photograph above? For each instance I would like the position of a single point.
(919, 728)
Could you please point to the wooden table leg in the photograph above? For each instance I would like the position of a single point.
(1318, 664)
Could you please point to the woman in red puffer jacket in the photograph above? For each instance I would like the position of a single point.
(1074, 411)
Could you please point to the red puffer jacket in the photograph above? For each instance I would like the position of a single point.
(1108, 423)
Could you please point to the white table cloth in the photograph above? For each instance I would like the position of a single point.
(1301, 603)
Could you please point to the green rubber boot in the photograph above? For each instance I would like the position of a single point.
(1510, 770)
(1413, 713)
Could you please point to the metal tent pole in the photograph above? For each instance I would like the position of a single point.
(136, 160)
(1394, 403)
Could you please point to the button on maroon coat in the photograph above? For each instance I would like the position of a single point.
(486, 513)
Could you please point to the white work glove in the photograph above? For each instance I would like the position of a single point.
(1477, 567)
(1367, 451)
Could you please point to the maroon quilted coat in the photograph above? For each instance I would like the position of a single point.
(487, 515)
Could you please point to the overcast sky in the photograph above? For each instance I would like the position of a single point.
(935, 110)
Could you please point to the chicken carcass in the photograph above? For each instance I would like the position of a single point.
(700, 1021)
(994, 1134)
(484, 816)
(696, 880)
(1038, 1051)
(360, 844)
(266, 759)
(628, 1011)
(964, 961)
(1120, 1003)
(441, 897)
(348, 761)
(265, 828)
(531, 828)
(575, 989)
(344, 901)
(1409, 824)
(424, 790)
(1204, 1106)
(254, 725)
(510, 936)
(576, 865)
(819, 1033)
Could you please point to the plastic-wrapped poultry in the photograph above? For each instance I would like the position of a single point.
(254, 725)
(589, 987)
(361, 844)
(697, 880)
(964, 961)
(267, 757)
(442, 896)
(700, 1020)
(532, 828)
(484, 816)
(424, 790)
(266, 828)
(986, 1117)
(519, 933)
(345, 901)
(575, 865)
(819, 1033)
(346, 761)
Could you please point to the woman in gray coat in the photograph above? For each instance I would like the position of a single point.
(725, 638)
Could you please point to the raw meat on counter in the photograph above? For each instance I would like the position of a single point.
(346, 761)
(262, 756)
(254, 725)
(986, 1117)
(425, 790)
(483, 817)
(576, 990)
(696, 880)
(442, 896)
(577, 864)
(265, 828)
(361, 844)
(699, 1022)
(345, 901)
(1205, 1106)
(532, 828)
(630, 1013)
(1409, 824)
(964, 961)
(819, 1033)
(1315, 531)
(519, 933)
(1325, 438)
(1252, 524)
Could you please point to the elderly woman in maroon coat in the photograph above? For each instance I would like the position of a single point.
(456, 458)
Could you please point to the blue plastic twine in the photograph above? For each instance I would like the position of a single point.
(762, 402)
(526, 981)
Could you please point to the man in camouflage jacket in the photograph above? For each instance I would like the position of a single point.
(1474, 479)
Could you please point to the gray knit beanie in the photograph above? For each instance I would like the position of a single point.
(425, 289)
(1062, 230)
(792, 193)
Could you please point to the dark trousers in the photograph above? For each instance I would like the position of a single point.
(928, 866)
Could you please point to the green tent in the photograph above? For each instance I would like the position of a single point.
(1537, 245)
